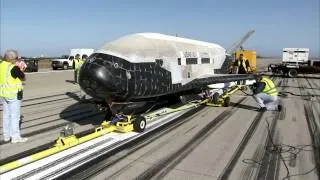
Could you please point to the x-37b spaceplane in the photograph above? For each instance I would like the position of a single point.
(139, 71)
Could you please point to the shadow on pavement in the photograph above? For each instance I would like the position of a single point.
(70, 81)
(83, 112)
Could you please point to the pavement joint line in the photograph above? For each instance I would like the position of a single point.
(126, 140)
(161, 167)
(161, 129)
(235, 157)
(55, 127)
(243, 96)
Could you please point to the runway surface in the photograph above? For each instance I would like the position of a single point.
(214, 143)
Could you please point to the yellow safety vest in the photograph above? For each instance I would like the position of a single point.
(243, 63)
(77, 64)
(270, 87)
(9, 86)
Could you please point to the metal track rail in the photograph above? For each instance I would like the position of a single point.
(231, 164)
(248, 135)
(56, 164)
(160, 169)
(99, 164)
(38, 149)
(89, 148)
(84, 117)
(269, 161)
(313, 127)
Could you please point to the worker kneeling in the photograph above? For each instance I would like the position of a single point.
(266, 95)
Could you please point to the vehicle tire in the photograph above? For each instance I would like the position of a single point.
(215, 98)
(54, 68)
(226, 101)
(65, 66)
(139, 124)
(293, 73)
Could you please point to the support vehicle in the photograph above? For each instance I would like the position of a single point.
(66, 62)
(295, 61)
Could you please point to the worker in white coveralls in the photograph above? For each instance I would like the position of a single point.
(266, 95)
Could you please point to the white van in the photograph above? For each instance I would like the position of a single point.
(67, 62)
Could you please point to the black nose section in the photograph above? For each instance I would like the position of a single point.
(98, 80)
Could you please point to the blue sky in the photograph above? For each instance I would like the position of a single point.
(36, 27)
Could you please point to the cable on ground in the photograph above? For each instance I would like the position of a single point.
(281, 149)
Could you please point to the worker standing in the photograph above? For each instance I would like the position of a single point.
(77, 64)
(242, 65)
(265, 94)
(84, 58)
(11, 93)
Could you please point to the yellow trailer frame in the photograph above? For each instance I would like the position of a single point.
(224, 99)
(68, 139)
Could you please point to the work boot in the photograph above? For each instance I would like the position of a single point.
(279, 108)
(6, 139)
(262, 109)
(19, 140)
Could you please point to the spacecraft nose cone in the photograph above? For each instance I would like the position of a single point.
(97, 80)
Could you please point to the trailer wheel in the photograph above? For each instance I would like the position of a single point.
(293, 73)
(226, 101)
(139, 124)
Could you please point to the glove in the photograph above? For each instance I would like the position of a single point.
(253, 86)
(20, 95)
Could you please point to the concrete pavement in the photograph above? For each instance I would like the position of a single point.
(230, 142)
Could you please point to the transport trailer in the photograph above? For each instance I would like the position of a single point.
(295, 61)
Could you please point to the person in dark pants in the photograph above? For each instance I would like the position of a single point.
(242, 64)
(83, 95)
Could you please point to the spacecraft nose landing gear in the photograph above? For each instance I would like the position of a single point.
(126, 123)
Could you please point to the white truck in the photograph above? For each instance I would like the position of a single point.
(67, 62)
(295, 61)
